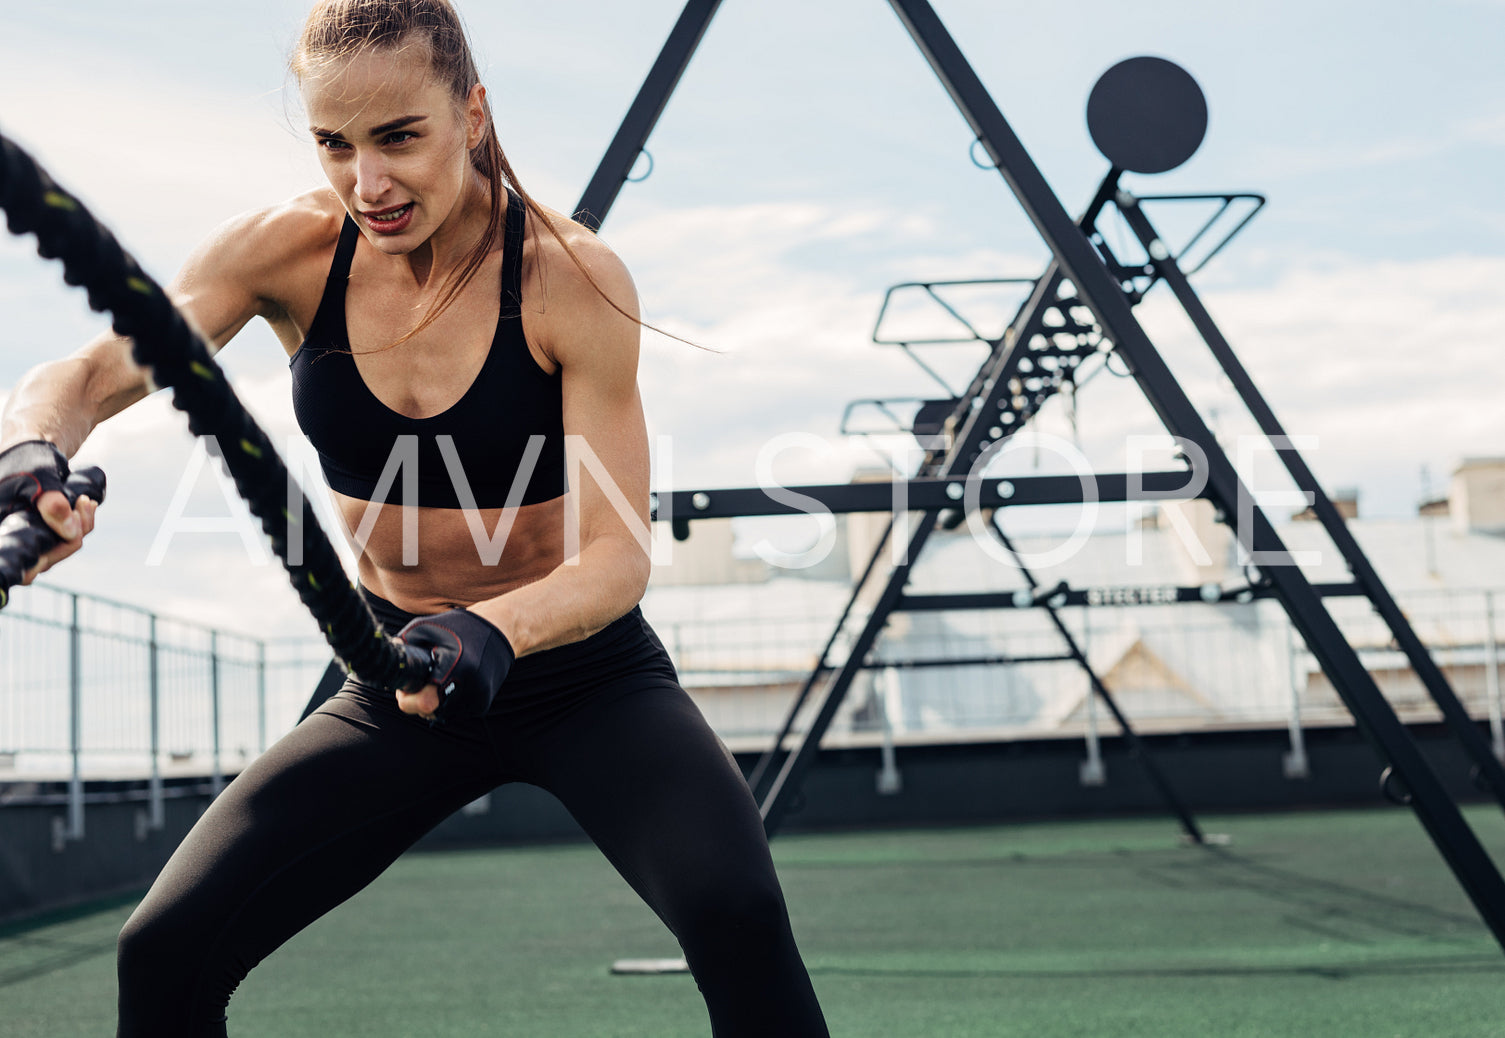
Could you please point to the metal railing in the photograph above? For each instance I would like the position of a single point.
(1171, 668)
(92, 688)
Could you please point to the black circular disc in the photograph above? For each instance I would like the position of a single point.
(1147, 115)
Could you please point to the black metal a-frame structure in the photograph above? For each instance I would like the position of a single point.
(1081, 305)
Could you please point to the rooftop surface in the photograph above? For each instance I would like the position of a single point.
(1312, 923)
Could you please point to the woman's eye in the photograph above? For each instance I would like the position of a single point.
(400, 137)
(330, 144)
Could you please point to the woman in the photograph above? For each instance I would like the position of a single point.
(435, 315)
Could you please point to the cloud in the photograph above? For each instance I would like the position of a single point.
(1278, 162)
(162, 162)
(1375, 357)
(1391, 363)
(791, 330)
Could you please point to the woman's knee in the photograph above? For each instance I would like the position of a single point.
(166, 975)
(147, 966)
(141, 945)
(741, 911)
(151, 950)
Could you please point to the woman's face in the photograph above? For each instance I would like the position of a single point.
(392, 144)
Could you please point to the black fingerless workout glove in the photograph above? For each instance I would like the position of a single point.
(27, 471)
(471, 659)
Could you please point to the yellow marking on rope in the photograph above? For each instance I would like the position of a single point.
(4, 598)
(287, 516)
(202, 371)
(251, 449)
(314, 583)
(58, 200)
(140, 285)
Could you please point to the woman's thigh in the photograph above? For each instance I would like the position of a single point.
(657, 791)
(653, 785)
(303, 828)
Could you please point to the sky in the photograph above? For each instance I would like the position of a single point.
(808, 160)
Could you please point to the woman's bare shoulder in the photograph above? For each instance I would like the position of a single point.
(584, 242)
(586, 295)
(307, 222)
(268, 247)
(269, 262)
(574, 275)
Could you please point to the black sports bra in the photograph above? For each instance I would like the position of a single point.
(501, 444)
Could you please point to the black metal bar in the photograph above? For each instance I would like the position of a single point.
(976, 424)
(1137, 748)
(760, 771)
(1453, 711)
(997, 659)
(977, 411)
(920, 494)
(1434, 808)
(929, 288)
(974, 413)
(884, 406)
(775, 803)
(637, 126)
(904, 347)
(986, 385)
(961, 601)
(1228, 200)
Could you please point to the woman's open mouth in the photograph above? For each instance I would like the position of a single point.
(390, 221)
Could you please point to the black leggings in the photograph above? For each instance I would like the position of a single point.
(602, 724)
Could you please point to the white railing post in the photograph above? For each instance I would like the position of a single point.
(75, 725)
(886, 695)
(1295, 763)
(217, 779)
(1091, 771)
(261, 696)
(156, 816)
(1492, 675)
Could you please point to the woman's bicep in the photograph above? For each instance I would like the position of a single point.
(607, 443)
(603, 418)
(237, 273)
(211, 291)
(228, 280)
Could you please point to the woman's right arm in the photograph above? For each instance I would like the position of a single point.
(252, 266)
(62, 401)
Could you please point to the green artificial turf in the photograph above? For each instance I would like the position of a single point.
(1309, 924)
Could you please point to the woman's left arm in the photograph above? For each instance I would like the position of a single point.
(596, 348)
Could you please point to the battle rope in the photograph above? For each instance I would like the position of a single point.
(178, 359)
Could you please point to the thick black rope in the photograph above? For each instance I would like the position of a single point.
(179, 359)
